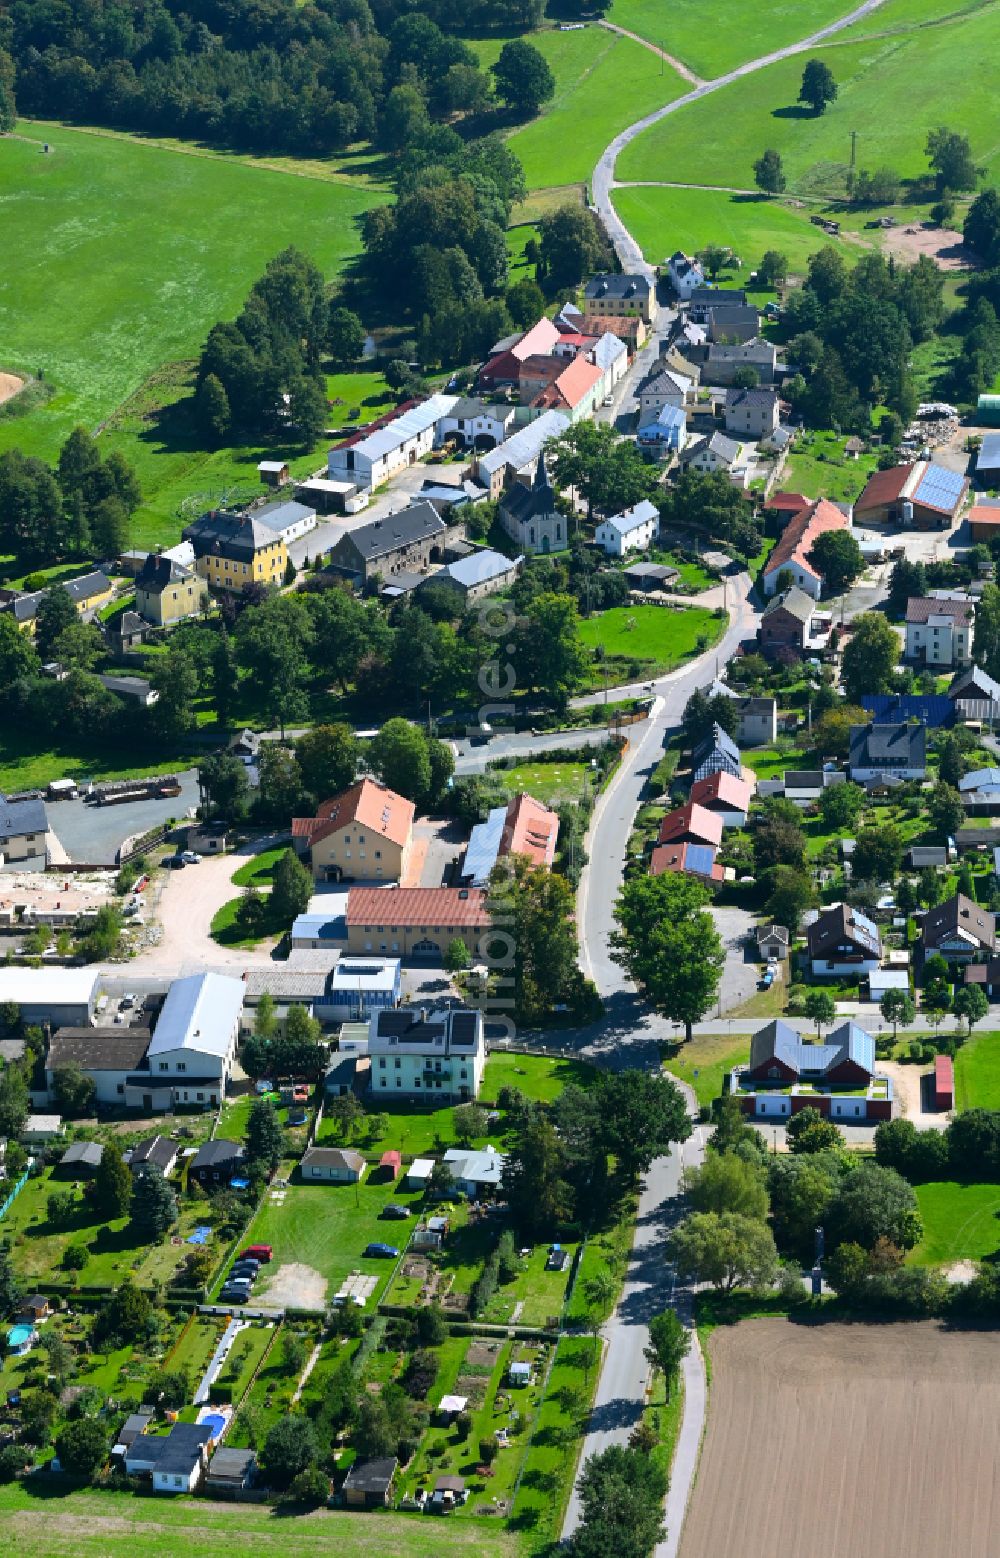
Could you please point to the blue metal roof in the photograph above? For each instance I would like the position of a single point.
(699, 858)
(897, 709)
(940, 488)
(989, 453)
(483, 848)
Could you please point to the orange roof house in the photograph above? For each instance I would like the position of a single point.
(573, 390)
(691, 824)
(364, 834)
(791, 555)
(693, 859)
(414, 921)
(530, 829)
(724, 795)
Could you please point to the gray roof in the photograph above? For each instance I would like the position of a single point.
(959, 913)
(281, 515)
(98, 1049)
(220, 1150)
(780, 1042)
(20, 817)
(772, 933)
(478, 568)
(522, 447)
(927, 855)
(154, 1152)
(418, 522)
(232, 1464)
(889, 746)
(717, 740)
(840, 924)
(87, 585)
(237, 536)
(181, 1449)
(624, 288)
(334, 1157)
(974, 683)
(89, 1153)
(371, 1476)
(159, 571)
(765, 398)
(285, 984)
(659, 571)
(199, 1014)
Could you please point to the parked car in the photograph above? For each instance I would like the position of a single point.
(175, 863)
(261, 1252)
(243, 1273)
(190, 858)
(379, 1251)
(395, 1212)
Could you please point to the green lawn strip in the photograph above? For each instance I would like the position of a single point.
(193, 1350)
(551, 1462)
(977, 1073)
(711, 50)
(548, 782)
(589, 107)
(705, 1061)
(114, 1252)
(961, 1222)
(890, 92)
(234, 1116)
(665, 1417)
(48, 1523)
(258, 871)
(24, 767)
(605, 1252)
(356, 398)
(693, 575)
(326, 1227)
(270, 1398)
(244, 1356)
(227, 931)
(642, 641)
(770, 763)
(149, 228)
(818, 467)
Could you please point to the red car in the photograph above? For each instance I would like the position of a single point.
(261, 1252)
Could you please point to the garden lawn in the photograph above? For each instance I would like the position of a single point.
(769, 763)
(48, 1523)
(541, 1077)
(818, 468)
(258, 871)
(556, 1438)
(151, 230)
(705, 1061)
(590, 105)
(652, 639)
(693, 575)
(977, 1073)
(549, 782)
(193, 1351)
(24, 767)
(326, 1227)
(710, 45)
(356, 398)
(961, 1222)
(537, 1295)
(228, 932)
(691, 218)
(244, 1356)
(891, 91)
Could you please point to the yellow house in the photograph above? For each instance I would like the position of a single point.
(233, 550)
(362, 835)
(166, 592)
(88, 593)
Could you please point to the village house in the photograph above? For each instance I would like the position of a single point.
(936, 711)
(521, 827)
(231, 1471)
(333, 1165)
(899, 751)
(476, 1172)
(629, 328)
(923, 495)
(691, 824)
(730, 323)
(51, 997)
(702, 300)
(407, 541)
(939, 630)
(518, 456)
(273, 473)
(757, 721)
(287, 519)
(576, 388)
(24, 829)
(417, 922)
(725, 795)
(108, 1056)
(716, 753)
(649, 578)
(984, 520)
(193, 1048)
(134, 689)
(787, 1073)
(154, 1154)
(718, 453)
(216, 1163)
(528, 514)
(665, 436)
(790, 559)
(720, 362)
(614, 294)
(503, 368)
(686, 275)
(689, 859)
(373, 455)
(363, 834)
(233, 550)
(980, 790)
(166, 592)
(633, 530)
(959, 930)
(664, 388)
(843, 943)
(472, 578)
(175, 1461)
(477, 424)
(753, 414)
(772, 942)
(88, 593)
(368, 1484)
(416, 1052)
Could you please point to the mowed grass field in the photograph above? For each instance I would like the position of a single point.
(712, 43)
(126, 254)
(89, 1524)
(977, 1073)
(706, 1062)
(961, 1222)
(603, 83)
(890, 1430)
(654, 636)
(661, 220)
(892, 90)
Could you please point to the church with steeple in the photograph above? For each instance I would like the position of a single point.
(529, 515)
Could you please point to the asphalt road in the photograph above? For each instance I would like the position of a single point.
(474, 759)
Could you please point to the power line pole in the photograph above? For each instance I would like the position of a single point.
(854, 147)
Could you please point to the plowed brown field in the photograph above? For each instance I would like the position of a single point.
(849, 1441)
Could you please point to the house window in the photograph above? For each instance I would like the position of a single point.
(399, 1081)
(396, 1063)
(381, 1064)
(164, 1066)
(378, 854)
(121, 1087)
(182, 1065)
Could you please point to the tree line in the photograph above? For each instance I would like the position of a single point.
(81, 508)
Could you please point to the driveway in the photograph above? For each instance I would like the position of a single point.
(742, 970)
(437, 844)
(92, 835)
(405, 486)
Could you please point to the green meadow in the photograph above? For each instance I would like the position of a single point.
(603, 83)
(961, 1222)
(662, 220)
(127, 252)
(711, 45)
(893, 89)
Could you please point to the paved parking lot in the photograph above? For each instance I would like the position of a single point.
(93, 834)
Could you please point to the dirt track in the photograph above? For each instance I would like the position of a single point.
(9, 386)
(831, 1440)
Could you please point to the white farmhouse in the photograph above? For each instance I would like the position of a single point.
(373, 458)
(416, 1053)
(633, 530)
(194, 1041)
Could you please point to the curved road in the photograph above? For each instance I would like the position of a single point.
(603, 180)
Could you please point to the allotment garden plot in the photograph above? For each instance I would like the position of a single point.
(835, 1439)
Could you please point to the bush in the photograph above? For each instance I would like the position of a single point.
(13, 1459)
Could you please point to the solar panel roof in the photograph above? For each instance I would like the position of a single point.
(866, 931)
(699, 858)
(939, 487)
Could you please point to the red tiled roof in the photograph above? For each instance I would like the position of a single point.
(530, 829)
(884, 487)
(920, 608)
(724, 788)
(704, 826)
(984, 514)
(367, 803)
(787, 502)
(575, 381)
(409, 906)
(801, 533)
(673, 857)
